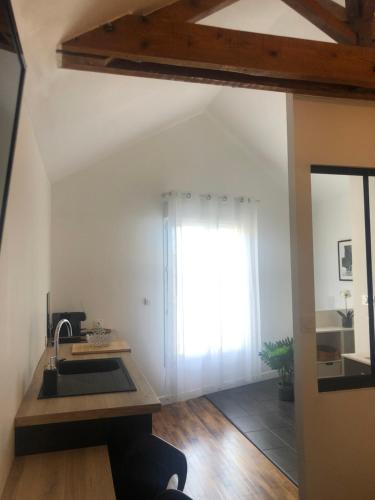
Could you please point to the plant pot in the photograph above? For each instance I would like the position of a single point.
(286, 392)
(347, 322)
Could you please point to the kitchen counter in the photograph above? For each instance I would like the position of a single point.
(82, 474)
(34, 411)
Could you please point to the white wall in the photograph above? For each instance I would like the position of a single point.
(335, 429)
(331, 223)
(258, 119)
(24, 281)
(107, 232)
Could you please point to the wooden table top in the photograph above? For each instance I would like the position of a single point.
(81, 474)
(363, 358)
(34, 411)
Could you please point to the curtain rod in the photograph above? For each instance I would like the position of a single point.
(209, 196)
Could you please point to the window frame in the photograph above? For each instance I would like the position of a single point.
(8, 11)
(357, 381)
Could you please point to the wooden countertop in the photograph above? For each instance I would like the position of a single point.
(359, 358)
(333, 329)
(81, 474)
(34, 411)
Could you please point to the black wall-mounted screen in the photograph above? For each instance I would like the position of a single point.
(12, 71)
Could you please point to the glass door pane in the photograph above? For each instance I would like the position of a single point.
(340, 277)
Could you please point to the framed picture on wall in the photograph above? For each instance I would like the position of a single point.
(344, 249)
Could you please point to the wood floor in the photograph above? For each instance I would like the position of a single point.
(222, 463)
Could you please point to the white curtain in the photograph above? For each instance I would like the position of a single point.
(212, 331)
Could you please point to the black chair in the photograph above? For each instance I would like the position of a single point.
(143, 468)
(173, 495)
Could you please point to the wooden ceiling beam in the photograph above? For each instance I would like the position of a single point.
(181, 11)
(189, 10)
(360, 15)
(217, 77)
(326, 15)
(352, 10)
(291, 64)
(336, 9)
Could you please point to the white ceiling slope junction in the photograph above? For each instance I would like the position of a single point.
(80, 117)
(258, 120)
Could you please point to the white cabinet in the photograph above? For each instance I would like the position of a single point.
(342, 339)
(330, 368)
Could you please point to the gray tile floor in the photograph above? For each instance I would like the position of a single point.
(267, 422)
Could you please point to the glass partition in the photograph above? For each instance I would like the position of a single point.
(342, 203)
(11, 84)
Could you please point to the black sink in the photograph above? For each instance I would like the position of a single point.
(89, 366)
(75, 339)
(91, 376)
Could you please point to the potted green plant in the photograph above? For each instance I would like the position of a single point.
(278, 356)
(347, 315)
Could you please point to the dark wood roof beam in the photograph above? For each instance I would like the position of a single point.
(360, 15)
(210, 54)
(328, 16)
(189, 10)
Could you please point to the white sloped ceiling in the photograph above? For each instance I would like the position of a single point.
(80, 117)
